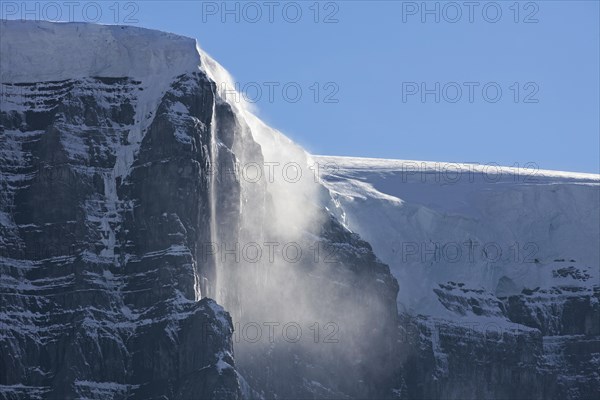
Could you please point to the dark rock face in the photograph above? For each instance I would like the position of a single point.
(469, 360)
(568, 318)
(98, 271)
(541, 344)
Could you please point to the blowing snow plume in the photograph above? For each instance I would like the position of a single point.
(312, 307)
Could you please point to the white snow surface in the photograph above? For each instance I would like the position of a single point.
(431, 222)
(37, 51)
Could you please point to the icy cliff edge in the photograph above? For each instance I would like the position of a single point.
(38, 51)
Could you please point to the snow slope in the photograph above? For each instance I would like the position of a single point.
(497, 229)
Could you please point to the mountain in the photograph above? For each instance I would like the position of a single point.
(498, 271)
(128, 221)
(157, 240)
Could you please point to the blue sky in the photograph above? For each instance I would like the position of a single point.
(394, 79)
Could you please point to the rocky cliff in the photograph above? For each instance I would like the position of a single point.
(121, 186)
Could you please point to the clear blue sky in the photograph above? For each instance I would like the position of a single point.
(378, 55)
